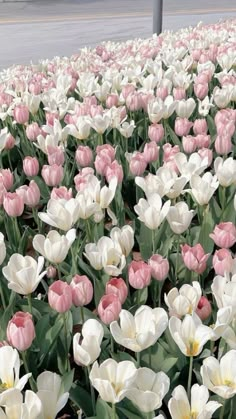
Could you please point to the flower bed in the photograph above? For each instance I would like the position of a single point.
(117, 194)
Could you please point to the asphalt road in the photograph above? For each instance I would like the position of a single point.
(39, 29)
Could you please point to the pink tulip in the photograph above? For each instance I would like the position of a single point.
(162, 92)
(82, 290)
(21, 114)
(106, 150)
(60, 296)
(137, 164)
(101, 163)
(109, 308)
(84, 156)
(222, 261)
(30, 166)
(6, 177)
(182, 126)
(203, 309)
(51, 272)
(200, 126)
(56, 155)
(3, 191)
(50, 118)
(139, 274)
(52, 175)
(159, 267)
(118, 287)
(20, 331)
(10, 142)
(134, 101)
(13, 204)
(151, 152)
(203, 140)
(127, 90)
(223, 144)
(32, 131)
(189, 144)
(201, 90)
(156, 132)
(30, 194)
(224, 235)
(114, 170)
(194, 257)
(206, 153)
(61, 193)
(112, 100)
(179, 93)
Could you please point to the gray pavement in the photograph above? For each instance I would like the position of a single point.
(39, 29)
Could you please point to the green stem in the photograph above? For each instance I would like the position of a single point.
(113, 414)
(112, 345)
(88, 230)
(3, 298)
(153, 242)
(31, 379)
(177, 259)
(82, 314)
(58, 272)
(67, 365)
(150, 357)
(29, 298)
(92, 392)
(222, 410)
(190, 376)
(149, 415)
(160, 285)
(100, 139)
(138, 357)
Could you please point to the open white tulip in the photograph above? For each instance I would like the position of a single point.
(140, 331)
(220, 376)
(10, 370)
(189, 167)
(203, 187)
(125, 237)
(54, 247)
(50, 393)
(151, 211)
(61, 213)
(2, 248)
(87, 351)
(179, 217)
(225, 171)
(149, 389)
(23, 273)
(224, 291)
(183, 301)
(112, 379)
(185, 108)
(12, 400)
(190, 334)
(199, 408)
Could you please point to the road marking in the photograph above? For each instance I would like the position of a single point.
(112, 16)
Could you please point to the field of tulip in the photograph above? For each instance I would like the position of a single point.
(118, 231)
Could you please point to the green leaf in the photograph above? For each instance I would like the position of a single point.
(81, 398)
(130, 410)
(145, 242)
(104, 411)
(67, 381)
(48, 340)
(207, 228)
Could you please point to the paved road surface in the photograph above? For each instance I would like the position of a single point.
(45, 28)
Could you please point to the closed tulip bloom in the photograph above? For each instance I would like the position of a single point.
(3, 251)
(13, 204)
(61, 193)
(185, 108)
(82, 290)
(220, 376)
(60, 296)
(84, 156)
(139, 274)
(10, 369)
(6, 177)
(118, 287)
(222, 261)
(151, 211)
(30, 166)
(179, 217)
(194, 257)
(32, 131)
(20, 331)
(140, 331)
(124, 237)
(225, 171)
(151, 152)
(190, 334)
(182, 126)
(156, 132)
(149, 389)
(54, 247)
(159, 267)
(112, 379)
(109, 308)
(223, 144)
(224, 235)
(137, 164)
(30, 194)
(183, 301)
(200, 126)
(198, 406)
(203, 187)
(203, 309)
(50, 392)
(56, 155)
(189, 144)
(23, 273)
(88, 350)
(52, 175)
(21, 114)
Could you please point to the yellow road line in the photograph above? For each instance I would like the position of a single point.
(110, 16)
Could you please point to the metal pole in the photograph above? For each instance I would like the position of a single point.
(157, 16)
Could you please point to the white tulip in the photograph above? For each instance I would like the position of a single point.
(224, 290)
(23, 273)
(221, 327)
(54, 247)
(12, 400)
(225, 171)
(158, 109)
(126, 129)
(88, 350)
(50, 393)
(140, 331)
(151, 184)
(227, 61)
(149, 389)
(100, 123)
(112, 379)
(204, 106)
(61, 213)
(3, 138)
(222, 97)
(10, 370)
(185, 108)
(172, 184)
(179, 217)
(189, 167)
(3, 251)
(220, 376)
(81, 129)
(125, 238)
(180, 408)
(87, 206)
(151, 211)
(183, 301)
(203, 187)
(190, 334)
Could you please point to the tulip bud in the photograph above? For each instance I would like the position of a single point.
(194, 257)
(224, 235)
(20, 331)
(118, 287)
(84, 156)
(82, 290)
(156, 132)
(203, 309)
(21, 114)
(139, 274)
(55, 156)
(60, 296)
(222, 261)
(150, 152)
(52, 175)
(32, 131)
(159, 267)
(13, 204)
(137, 164)
(6, 177)
(109, 308)
(30, 166)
